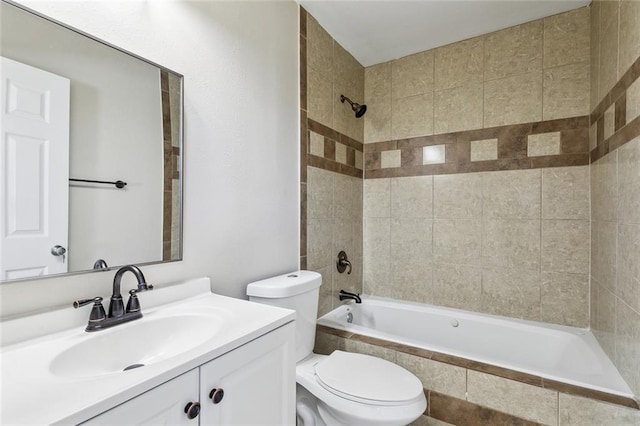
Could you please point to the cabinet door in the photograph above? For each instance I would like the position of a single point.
(258, 380)
(162, 405)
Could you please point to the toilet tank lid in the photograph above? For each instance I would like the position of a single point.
(285, 285)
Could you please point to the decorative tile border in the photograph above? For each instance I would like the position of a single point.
(617, 91)
(506, 373)
(513, 147)
(331, 150)
(610, 116)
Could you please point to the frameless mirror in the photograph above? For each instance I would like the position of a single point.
(91, 152)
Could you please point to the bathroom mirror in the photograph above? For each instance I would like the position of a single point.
(91, 155)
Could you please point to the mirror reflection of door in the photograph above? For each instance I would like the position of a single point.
(34, 171)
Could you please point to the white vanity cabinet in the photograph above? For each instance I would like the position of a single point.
(162, 405)
(254, 385)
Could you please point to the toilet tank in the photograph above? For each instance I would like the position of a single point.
(298, 291)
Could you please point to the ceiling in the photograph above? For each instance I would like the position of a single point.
(379, 31)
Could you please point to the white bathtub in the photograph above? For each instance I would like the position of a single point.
(566, 354)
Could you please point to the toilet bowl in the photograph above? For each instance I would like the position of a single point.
(355, 389)
(342, 388)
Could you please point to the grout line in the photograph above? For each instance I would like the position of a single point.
(540, 253)
(484, 82)
(617, 254)
(590, 308)
(482, 242)
(433, 95)
(433, 252)
(618, 44)
(544, 31)
(466, 384)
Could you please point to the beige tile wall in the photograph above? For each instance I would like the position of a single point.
(334, 223)
(536, 71)
(578, 411)
(512, 243)
(615, 31)
(332, 71)
(615, 209)
(333, 200)
(615, 258)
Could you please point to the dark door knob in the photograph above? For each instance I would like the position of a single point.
(192, 409)
(216, 395)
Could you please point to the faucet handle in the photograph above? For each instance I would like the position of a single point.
(343, 263)
(133, 305)
(97, 312)
(84, 302)
(143, 287)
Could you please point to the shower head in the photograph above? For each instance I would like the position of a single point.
(357, 108)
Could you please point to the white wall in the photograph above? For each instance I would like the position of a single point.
(115, 133)
(240, 62)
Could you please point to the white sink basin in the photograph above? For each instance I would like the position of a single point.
(134, 345)
(77, 375)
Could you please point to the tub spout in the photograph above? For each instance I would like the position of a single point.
(346, 295)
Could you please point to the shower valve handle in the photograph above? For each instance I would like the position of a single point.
(343, 263)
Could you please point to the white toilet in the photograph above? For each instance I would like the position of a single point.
(342, 388)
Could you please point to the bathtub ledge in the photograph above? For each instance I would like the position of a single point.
(481, 367)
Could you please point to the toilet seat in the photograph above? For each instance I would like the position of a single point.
(367, 379)
(337, 407)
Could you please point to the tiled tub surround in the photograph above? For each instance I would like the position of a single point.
(330, 71)
(615, 258)
(517, 237)
(334, 206)
(512, 243)
(464, 392)
(333, 209)
(615, 183)
(331, 161)
(537, 71)
(476, 192)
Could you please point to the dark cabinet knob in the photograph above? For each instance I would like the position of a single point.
(192, 410)
(216, 395)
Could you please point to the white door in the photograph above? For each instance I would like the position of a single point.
(34, 170)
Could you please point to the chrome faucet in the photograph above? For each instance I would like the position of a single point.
(343, 295)
(98, 320)
(100, 264)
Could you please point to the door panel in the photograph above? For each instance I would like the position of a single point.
(34, 164)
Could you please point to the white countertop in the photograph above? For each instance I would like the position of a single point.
(32, 394)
